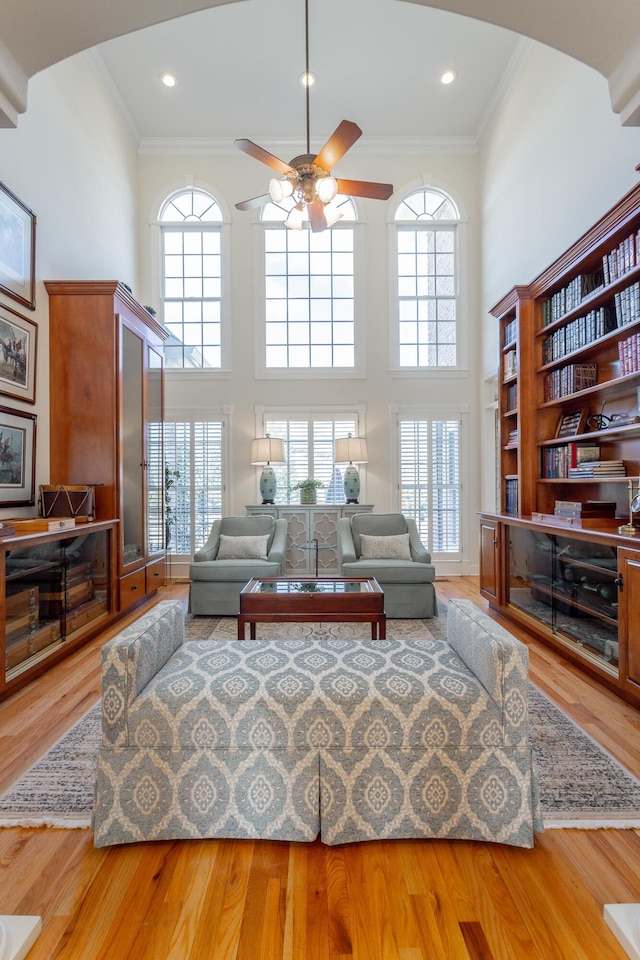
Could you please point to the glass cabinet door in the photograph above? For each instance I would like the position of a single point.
(132, 441)
(154, 454)
(569, 584)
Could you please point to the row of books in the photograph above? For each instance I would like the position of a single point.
(511, 496)
(511, 396)
(627, 304)
(579, 333)
(570, 379)
(510, 332)
(570, 296)
(558, 461)
(629, 353)
(622, 258)
(512, 437)
(598, 469)
(510, 363)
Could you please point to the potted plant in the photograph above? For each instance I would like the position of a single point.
(308, 490)
(170, 478)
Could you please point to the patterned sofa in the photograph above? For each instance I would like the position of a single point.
(291, 739)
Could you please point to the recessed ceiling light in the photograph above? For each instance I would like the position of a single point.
(168, 79)
(307, 79)
(448, 76)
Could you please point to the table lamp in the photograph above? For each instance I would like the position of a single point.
(267, 450)
(349, 450)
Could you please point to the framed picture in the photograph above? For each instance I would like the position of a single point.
(18, 352)
(17, 249)
(17, 458)
(572, 423)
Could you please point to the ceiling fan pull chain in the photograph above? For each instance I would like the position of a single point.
(306, 67)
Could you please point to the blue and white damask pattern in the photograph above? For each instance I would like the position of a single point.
(287, 739)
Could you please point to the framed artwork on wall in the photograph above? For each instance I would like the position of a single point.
(17, 249)
(18, 353)
(17, 458)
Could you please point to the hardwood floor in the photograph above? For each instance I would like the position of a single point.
(240, 900)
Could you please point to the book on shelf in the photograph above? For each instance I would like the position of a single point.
(622, 258)
(627, 304)
(579, 333)
(599, 468)
(629, 353)
(588, 508)
(510, 332)
(511, 496)
(510, 364)
(570, 379)
(512, 396)
(557, 461)
(571, 296)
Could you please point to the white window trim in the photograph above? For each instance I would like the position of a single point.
(155, 224)
(358, 371)
(446, 564)
(358, 411)
(462, 279)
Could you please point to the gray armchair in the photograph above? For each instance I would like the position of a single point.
(406, 578)
(225, 564)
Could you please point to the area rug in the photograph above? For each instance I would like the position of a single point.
(581, 785)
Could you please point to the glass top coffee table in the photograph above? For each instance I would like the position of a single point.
(313, 599)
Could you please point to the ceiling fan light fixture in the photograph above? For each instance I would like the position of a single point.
(332, 213)
(307, 79)
(296, 217)
(326, 188)
(279, 189)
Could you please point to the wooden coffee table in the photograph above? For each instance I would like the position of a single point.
(313, 599)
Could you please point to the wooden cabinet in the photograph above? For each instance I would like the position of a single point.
(312, 533)
(106, 374)
(573, 589)
(56, 591)
(569, 444)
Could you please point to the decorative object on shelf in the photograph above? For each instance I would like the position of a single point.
(17, 458)
(308, 490)
(170, 479)
(628, 529)
(18, 351)
(351, 450)
(264, 452)
(307, 178)
(572, 424)
(64, 500)
(17, 249)
(601, 421)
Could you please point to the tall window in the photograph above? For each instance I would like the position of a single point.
(309, 454)
(190, 228)
(193, 467)
(426, 231)
(309, 292)
(430, 489)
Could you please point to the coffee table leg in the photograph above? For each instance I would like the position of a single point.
(383, 627)
(252, 629)
(240, 628)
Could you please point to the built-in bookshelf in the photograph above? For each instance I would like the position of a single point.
(561, 556)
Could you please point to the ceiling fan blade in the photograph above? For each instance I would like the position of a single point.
(317, 218)
(365, 188)
(259, 153)
(338, 143)
(253, 202)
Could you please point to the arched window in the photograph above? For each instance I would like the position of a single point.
(191, 256)
(309, 291)
(427, 274)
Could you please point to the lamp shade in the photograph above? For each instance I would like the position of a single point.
(267, 450)
(351, 450)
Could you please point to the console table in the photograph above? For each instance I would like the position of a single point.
(307, 523)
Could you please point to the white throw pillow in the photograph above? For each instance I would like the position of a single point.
(385, 548)
(243, 548)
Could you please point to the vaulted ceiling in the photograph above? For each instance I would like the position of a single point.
(378, 61)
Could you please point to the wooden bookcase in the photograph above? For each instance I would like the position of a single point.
(569, 347)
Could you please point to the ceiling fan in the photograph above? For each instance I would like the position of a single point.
(308, 178)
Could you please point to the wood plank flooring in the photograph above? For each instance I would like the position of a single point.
(243, 900)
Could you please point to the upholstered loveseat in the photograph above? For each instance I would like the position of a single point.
(287, 739)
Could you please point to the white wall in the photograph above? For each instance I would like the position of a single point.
(71, 161)
(233, 177)
(553, 161)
